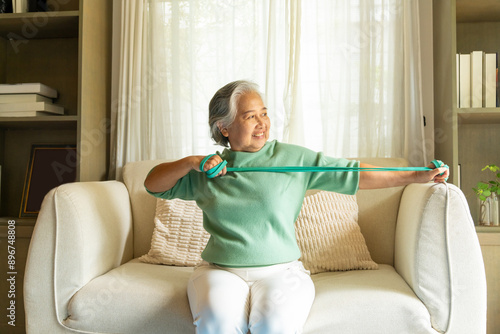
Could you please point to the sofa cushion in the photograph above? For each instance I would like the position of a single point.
(134, 298)
(327, 233)
(154, 298)
(366, 301)
(179, 236)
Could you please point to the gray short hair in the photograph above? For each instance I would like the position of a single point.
(223, 107)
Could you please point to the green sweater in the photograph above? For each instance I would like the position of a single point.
(250, 215)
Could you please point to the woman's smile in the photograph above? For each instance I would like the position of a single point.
(250, 130)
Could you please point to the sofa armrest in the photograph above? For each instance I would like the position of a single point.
(438, 254)
(83, 230)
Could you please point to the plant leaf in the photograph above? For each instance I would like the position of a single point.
(492, 168)
(482, 185)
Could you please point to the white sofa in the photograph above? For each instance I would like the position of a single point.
(83, 275)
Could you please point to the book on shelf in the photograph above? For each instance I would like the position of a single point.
(498, 87)
(16, 98)
(29, 108)
(477, 80)
(464, 77)
(20, 6)
(490, 80)
(31, 113)
(28, 88)
(457, 71)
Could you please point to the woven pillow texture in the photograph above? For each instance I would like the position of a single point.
(178, 237)
(329, 236)
(327, 233)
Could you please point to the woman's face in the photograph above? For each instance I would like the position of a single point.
(250, 129)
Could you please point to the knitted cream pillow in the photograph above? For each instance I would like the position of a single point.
(329, 236)
(178, 237)
(327, 233)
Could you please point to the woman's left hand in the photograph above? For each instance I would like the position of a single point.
(435, 173)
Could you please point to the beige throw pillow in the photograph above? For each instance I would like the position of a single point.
(178, 237)
(327, 233)
(329, 236)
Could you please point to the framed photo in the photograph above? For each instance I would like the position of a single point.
(49, 166)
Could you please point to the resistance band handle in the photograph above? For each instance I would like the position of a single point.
(212, 172)
(439, 163)
(202, 163)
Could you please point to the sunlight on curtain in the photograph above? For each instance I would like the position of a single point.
(197, 47)
(353, 68)
(338, 76)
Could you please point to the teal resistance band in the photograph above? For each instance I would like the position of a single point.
(213, 172)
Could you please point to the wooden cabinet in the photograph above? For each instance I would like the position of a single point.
(67, 48)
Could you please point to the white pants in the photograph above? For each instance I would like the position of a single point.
(274, 299)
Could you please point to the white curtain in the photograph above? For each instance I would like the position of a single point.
(343, 77)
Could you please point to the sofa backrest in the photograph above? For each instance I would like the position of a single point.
(377, 210)
(143, 204)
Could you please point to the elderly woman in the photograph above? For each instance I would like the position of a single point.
(251, 279)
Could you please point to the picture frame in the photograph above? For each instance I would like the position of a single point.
(49, 166)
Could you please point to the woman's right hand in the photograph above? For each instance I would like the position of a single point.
(209, 164)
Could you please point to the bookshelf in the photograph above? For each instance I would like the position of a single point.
(469, 137)
(67, 48)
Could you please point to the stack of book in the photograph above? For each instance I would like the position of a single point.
(477, 80)
(28, 100)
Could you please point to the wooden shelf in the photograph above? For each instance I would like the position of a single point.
(21, 26)
(487, 229)
(478, 115)
(39, 121)
(478, 10)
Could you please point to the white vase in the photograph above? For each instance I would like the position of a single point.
(494, 214)
(484, 212)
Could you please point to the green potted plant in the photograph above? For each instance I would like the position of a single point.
(487, 193)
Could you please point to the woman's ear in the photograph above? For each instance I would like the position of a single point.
(223, 130)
